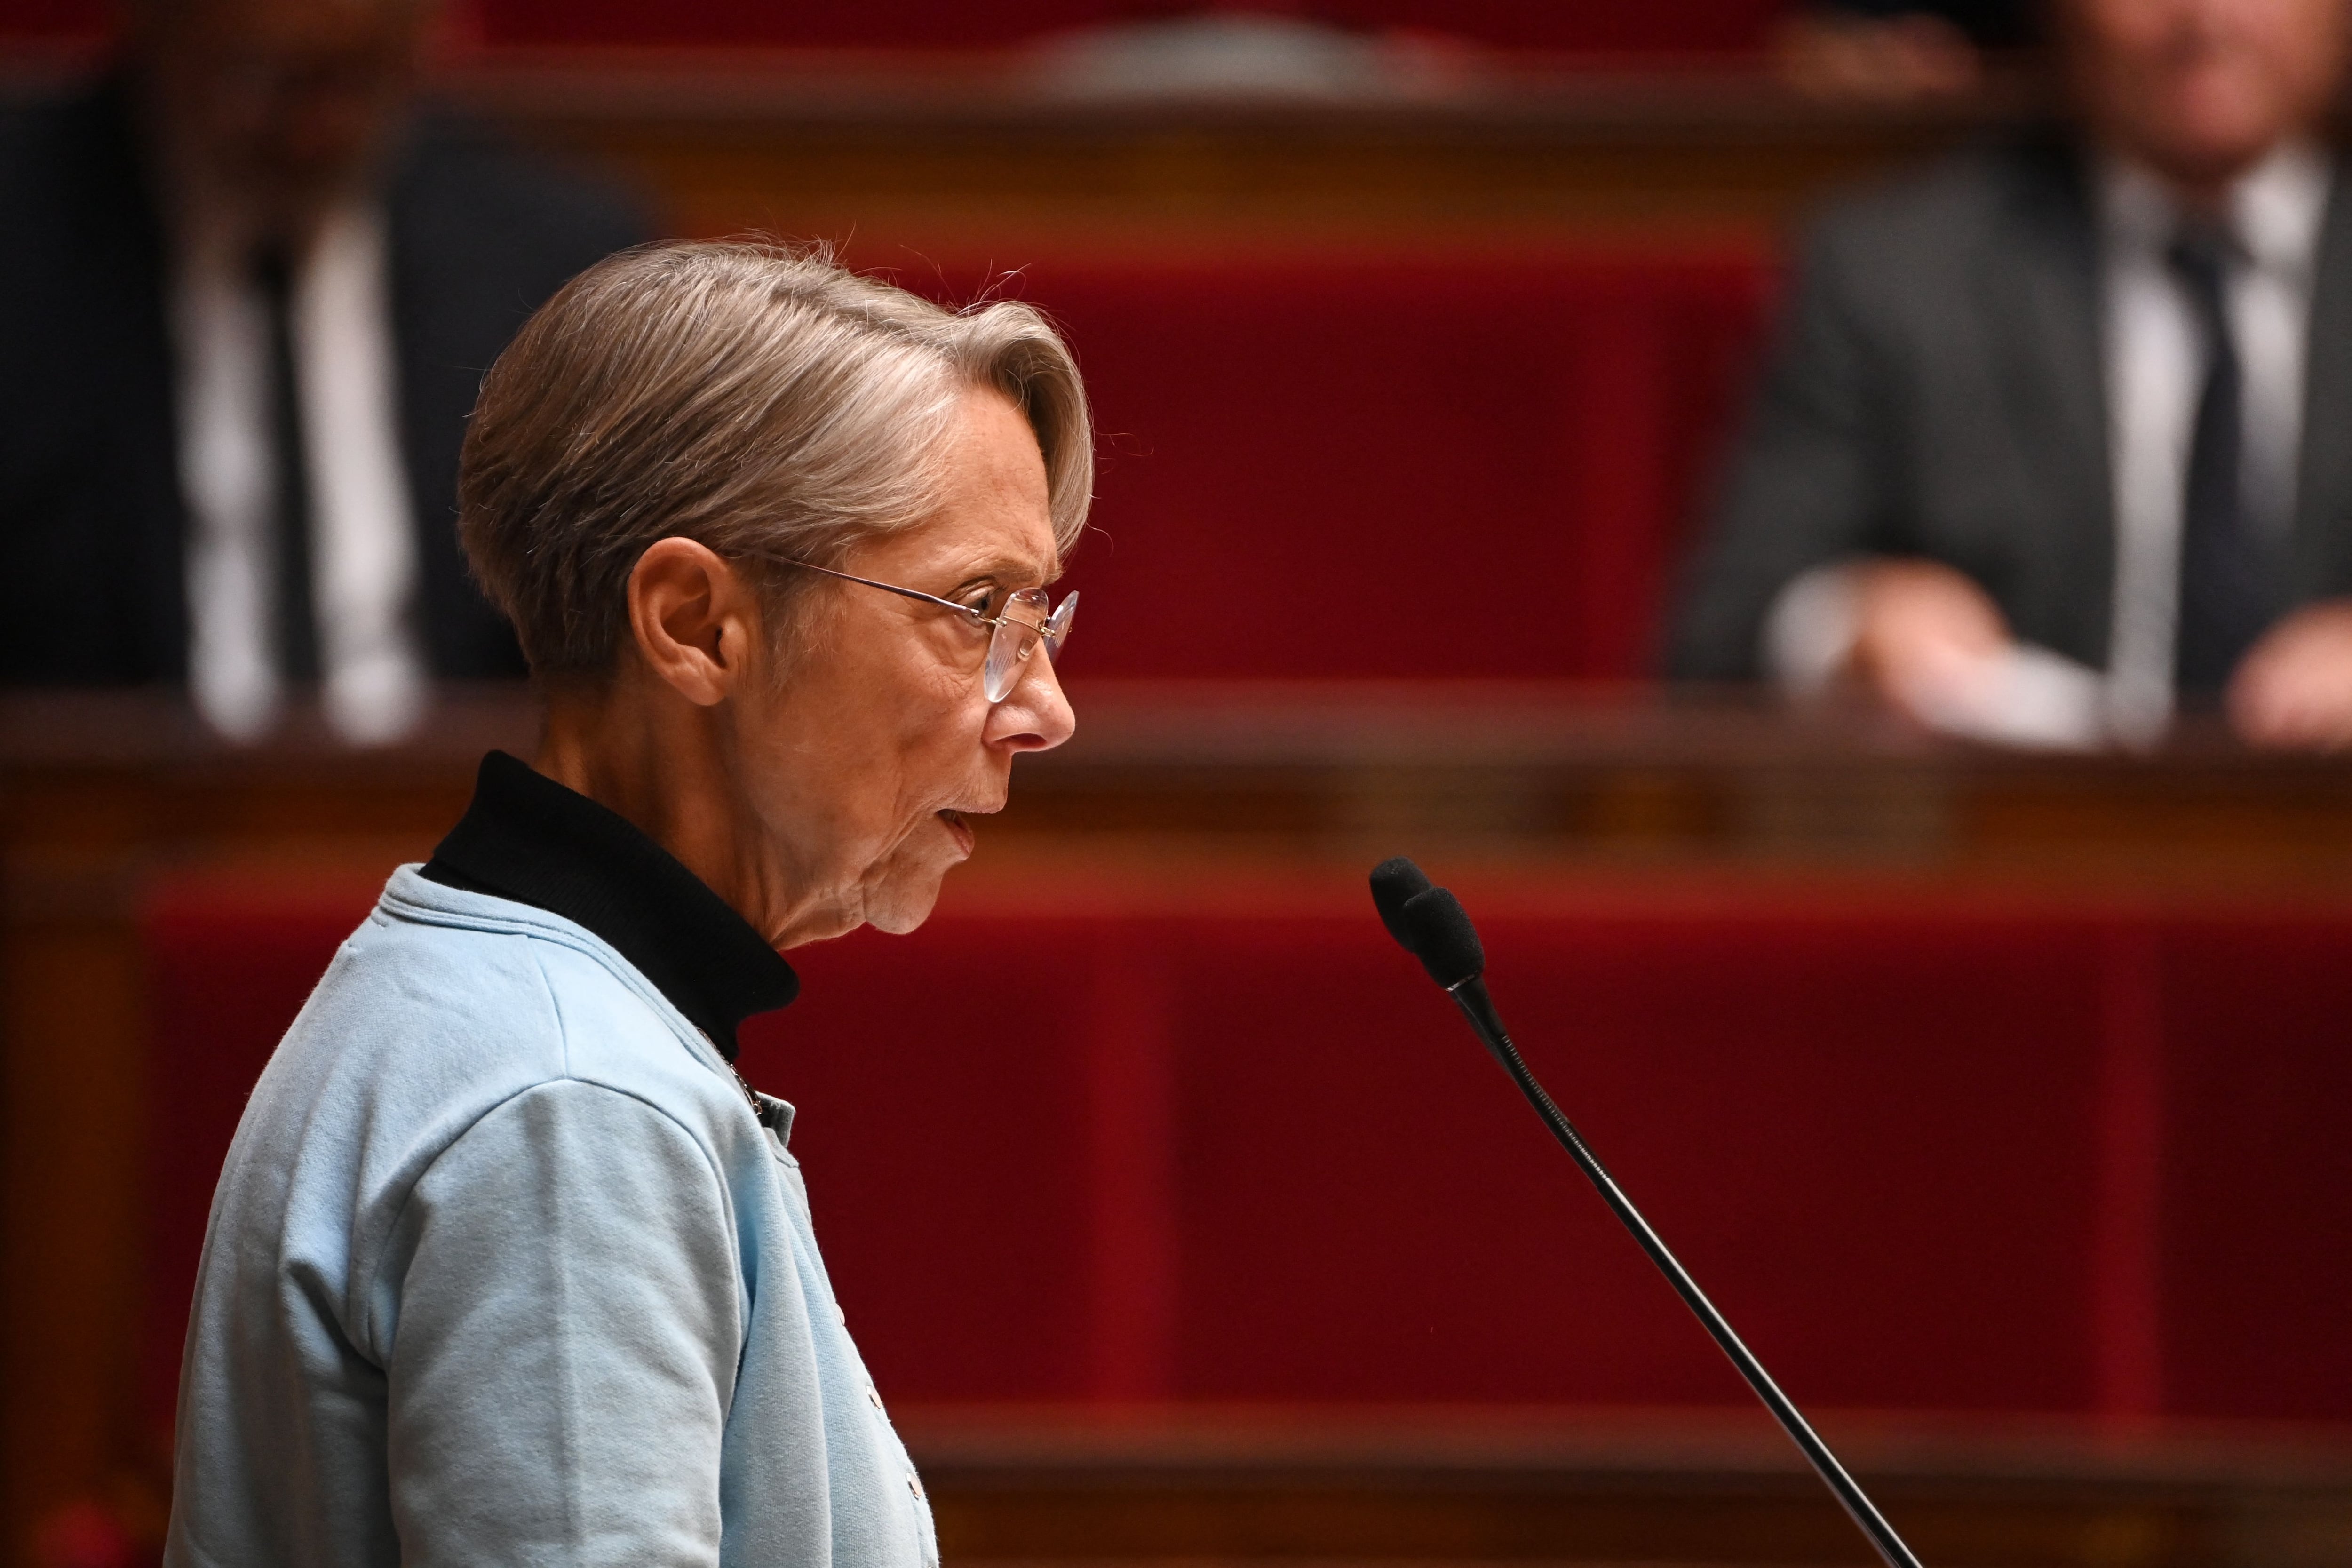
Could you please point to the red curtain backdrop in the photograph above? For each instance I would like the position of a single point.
(1930, 1153)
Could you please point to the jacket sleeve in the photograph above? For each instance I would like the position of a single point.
(1807, 481)
(565, 1346)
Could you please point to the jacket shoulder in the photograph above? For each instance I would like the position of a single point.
(1903, 261)
(44, 144)
(558, 1003)
(70, 182)
(1931, 218)
(463, 195)
(428, 988)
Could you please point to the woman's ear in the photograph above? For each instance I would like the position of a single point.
(695, 620)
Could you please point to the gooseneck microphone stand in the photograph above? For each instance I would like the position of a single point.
(1431, 925)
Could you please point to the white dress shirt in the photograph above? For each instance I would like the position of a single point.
(363, 548)
(2154, 369)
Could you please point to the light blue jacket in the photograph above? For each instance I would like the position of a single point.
(502, 1268)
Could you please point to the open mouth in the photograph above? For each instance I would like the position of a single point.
(957, 825)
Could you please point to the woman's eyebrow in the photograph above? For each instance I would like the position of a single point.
(1015, 568)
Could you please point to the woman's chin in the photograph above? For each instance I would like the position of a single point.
(902, 898)
(902, 908)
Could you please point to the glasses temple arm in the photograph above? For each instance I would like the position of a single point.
(888, 588)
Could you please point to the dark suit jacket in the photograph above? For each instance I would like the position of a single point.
(91, 521)
(1936, 389)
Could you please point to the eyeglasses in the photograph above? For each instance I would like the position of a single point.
(1010, 639)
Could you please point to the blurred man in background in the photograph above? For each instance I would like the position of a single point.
(245, 299)
(2059, 435)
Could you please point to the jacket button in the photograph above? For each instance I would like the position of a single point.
(914, 1485)
(874, 1396)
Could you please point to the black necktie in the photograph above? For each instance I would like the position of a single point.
(294, 622)
(2228, 578)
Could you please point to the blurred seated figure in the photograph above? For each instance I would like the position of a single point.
(2058, 436)
(246, 300)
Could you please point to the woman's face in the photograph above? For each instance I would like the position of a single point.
(867, 766)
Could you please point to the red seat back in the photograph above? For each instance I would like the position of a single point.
(1394, 467)
(1929, 1155)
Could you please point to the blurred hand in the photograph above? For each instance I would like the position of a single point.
(1926, 638)
(2294, 691)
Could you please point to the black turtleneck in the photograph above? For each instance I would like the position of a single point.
(528, 838)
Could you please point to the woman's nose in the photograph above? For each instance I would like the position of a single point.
(1035, 715)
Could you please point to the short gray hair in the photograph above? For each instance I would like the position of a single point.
(760, 400)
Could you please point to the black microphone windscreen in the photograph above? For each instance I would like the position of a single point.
(1438, 930)
(1393, 881)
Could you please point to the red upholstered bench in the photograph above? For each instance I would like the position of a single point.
(1352, 465)
(1932, 1153)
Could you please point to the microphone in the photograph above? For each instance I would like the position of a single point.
(1394, 880)
(1430, 924)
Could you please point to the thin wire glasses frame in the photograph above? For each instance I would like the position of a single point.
(1011, 640)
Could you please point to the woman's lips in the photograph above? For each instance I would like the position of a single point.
(957, 827)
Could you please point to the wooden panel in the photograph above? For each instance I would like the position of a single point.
(1591, 1487)
(984, 163)
(73, 1205)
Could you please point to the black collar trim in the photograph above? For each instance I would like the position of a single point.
(528, 838)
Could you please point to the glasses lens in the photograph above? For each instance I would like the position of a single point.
(1057, 631)
(1017, 635)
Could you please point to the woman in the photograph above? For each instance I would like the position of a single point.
(507, 1263)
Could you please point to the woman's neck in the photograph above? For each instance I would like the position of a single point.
(657, 760)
